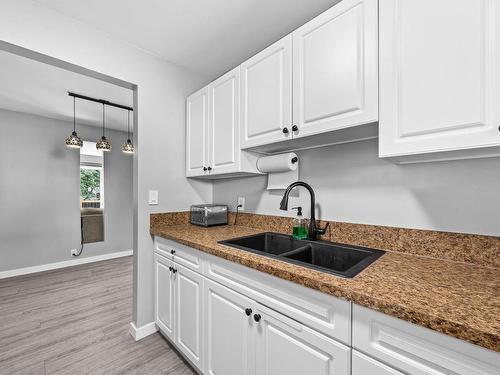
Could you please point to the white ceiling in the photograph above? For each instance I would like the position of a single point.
(205, 36)
(33, 87)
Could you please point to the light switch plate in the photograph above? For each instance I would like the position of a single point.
(153, 197)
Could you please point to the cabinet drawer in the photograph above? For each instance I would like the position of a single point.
(322, 312)
(364, 365)
(417, 350)
(183, 255)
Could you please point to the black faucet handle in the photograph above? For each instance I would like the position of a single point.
(322, 231)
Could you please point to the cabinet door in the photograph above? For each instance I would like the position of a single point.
(364, 365)
(439, 76)
(164, 295)
(197, 133)
(188, 305)
(266, 95)
(224, 123)
(229, 337)
(335, 77)
(286, 347)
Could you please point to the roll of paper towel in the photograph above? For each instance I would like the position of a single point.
(278, 163)
(282, 170)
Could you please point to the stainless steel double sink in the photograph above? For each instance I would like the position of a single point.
(335, 258)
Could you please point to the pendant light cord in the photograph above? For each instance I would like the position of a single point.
(128, 125)
(74, 114)
(103, 119)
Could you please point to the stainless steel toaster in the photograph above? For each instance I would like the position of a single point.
(207, 215)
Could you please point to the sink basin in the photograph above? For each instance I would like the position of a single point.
(335, 258)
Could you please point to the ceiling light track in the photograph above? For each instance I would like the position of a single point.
(101, 101)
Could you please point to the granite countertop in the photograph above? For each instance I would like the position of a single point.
(459, 299)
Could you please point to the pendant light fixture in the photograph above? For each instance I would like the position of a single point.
(128, 147)
(74, 141)
(103, 144)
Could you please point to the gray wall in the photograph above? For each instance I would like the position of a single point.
(353, 185)
(159, 121)
(39, 192)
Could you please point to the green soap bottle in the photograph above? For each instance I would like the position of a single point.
(299, 226)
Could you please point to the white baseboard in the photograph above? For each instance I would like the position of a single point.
(142, 331)
(63, 264)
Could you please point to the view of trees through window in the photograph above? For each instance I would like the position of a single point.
(91, 176)
(90, 187)
(90, 181)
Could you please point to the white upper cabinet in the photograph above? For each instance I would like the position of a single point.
(266, 95)
(197, 132)
(224, 143)
(213, 131)
(439, 79)
(316, 86)
(335, 79)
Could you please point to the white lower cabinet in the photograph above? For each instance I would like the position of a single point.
(178, 307)
(287, 347)
(364, 365)
(245, 337)
(188, 313)
(416, 350)
(164, 295)
(224, 332)
(229, 337)
(230, 320)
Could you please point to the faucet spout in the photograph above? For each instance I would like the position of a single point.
(284, 203)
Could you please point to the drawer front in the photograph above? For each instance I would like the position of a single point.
(325, 313)
(364, 365)
(417, 350)
(181, 254)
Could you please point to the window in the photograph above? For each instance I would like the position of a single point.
(91, 176)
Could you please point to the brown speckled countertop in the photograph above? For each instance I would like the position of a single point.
(458, 299)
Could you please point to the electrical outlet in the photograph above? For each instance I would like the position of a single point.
(241, 202)
(74, 252)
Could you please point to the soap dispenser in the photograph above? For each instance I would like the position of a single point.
(299, 225)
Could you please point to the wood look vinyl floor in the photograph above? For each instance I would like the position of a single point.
(75, 321)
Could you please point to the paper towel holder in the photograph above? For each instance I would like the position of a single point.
(295, 159)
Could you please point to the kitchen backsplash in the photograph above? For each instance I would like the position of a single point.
(459, 247)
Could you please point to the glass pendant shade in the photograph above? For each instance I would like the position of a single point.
(103, 144)
(74, 141)
(128, 147)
